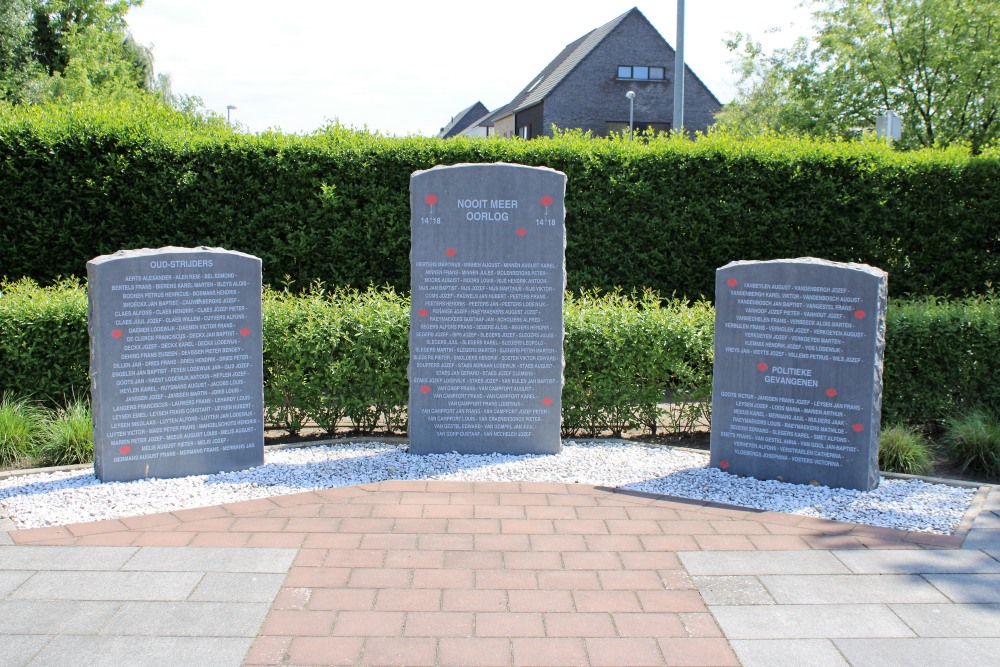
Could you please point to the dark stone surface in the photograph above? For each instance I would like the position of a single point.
(797, 390)
(487, 266)
(175, 362)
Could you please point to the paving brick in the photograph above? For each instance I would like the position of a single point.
(592, 560)
(369, 624)
(416, 559)
(366, 526)
(340, 599)
(442, 579)
(332, 541)
(630, 580)
(318, 577)
(650, 560)
(172, 539)
(503, 542)
(724, 542)
(446, 542)
(549, 652)
(581, 527)
(313, 525)
(399, 651)
(396, 599)
(778, 542)
(509, 624)
(648, 624)
(506, 579)
(561, 543)
(96, 527)
(477, 560)
(452, 512)
(474, 652)
(579, 625)
(358, 558)
(298, 623)
(292, 599)
(439, 624)
(466, 600)
(192, 559)
(544, 601)
(580, 580)
(219, 539)
(614, 543)
(700, 624)
(421, 526)
(669, 543)
(670, 601)
(380, 578)
(549, 512)
(325, 650)
(532, 560)
(700, 652)
(624, 651)
(268, 651)
(606, 601)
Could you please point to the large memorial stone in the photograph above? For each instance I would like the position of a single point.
(487, 268)
(175, 362)
(797, 389)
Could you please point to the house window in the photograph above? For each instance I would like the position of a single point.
(641, 72)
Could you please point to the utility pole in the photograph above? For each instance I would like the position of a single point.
(678, 123)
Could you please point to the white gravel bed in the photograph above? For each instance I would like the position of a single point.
(58, 498)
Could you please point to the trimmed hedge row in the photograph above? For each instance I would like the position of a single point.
(343, 354)
(333, 206)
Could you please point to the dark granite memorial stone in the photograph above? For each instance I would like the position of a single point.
(175, 362)
(797, 388)
(487, 267)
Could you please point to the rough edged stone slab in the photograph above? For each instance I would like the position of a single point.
(797, 388)
(176, 362)
(487, 269)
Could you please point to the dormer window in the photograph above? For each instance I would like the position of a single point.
(641, 72)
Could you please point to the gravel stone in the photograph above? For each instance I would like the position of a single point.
(58, 498)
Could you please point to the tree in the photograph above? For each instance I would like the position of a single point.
(69, 49)
(935, 62)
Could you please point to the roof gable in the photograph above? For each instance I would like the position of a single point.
(462, 120)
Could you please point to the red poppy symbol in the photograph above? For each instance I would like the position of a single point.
(859, 314)
(732, 282)
(858, 428)
(762, 366)
(244, 332)
(431, 200)
(831, 392)
(117, 333)
(547, 200)
(521, 231)
(451, 252)
(425, 389)
(422, 312)
(125, 450)
(546, 401)
(723, 464)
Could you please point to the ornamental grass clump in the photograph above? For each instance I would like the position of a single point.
(973, 442)
(21, 424)
(68, 436)
(904, 449)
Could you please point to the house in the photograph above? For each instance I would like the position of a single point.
(585, 86)
(463, 119)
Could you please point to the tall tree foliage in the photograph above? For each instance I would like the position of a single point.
(935, 62)
(69, 49)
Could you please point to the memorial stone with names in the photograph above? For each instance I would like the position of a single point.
(175, 362)
(797, 387)
(487, 268)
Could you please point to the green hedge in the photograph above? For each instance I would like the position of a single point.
(942, 358)
(343, 354)
(333, 206)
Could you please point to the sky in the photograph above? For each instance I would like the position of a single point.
(406, 67)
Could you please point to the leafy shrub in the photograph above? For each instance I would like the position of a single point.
(941, 358)
(904, 449)
(68, 436)
(333, 206)
(21, 422)
(44, 350)
(973, 442)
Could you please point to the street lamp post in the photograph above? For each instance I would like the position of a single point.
(630, 95)
(229, 111)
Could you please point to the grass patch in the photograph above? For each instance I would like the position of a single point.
(906, 450)
(21, 425)
(973, 442)
(68, 436)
